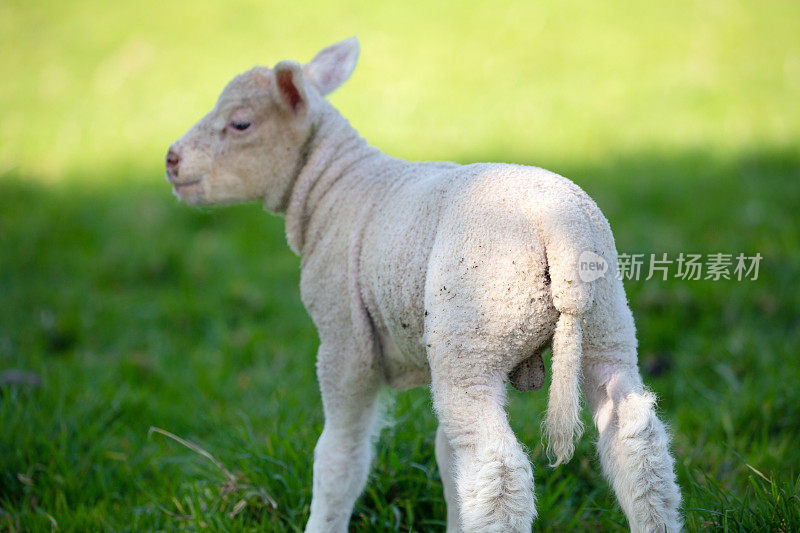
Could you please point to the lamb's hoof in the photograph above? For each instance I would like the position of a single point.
(529, 374)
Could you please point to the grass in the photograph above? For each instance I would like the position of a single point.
(137, 312)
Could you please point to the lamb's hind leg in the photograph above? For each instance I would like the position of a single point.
(494, 481)
(633, 445)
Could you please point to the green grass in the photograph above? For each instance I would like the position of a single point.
(137, 311)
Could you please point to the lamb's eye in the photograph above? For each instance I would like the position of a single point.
(238, 125)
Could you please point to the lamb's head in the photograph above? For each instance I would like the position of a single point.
(251, 145)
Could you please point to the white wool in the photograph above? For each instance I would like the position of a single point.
(440, 274)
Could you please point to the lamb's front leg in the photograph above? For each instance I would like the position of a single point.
(445, 455)
(343, 453)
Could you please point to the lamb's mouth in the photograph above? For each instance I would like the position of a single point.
(182, 187)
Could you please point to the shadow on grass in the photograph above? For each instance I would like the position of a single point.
(135, 310)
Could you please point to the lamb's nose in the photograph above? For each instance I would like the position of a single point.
(173, 160)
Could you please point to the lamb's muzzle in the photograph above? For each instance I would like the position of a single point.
(172, 162)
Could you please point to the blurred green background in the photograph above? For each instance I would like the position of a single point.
(130, 310)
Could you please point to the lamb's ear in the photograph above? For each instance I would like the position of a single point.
(291, 86)
(333, 65)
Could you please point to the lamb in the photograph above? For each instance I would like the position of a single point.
(441, 274)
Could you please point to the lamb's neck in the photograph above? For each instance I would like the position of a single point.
(334, 149)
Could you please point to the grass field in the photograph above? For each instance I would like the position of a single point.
(135, 311)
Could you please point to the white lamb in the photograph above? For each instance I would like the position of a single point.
(441, 274)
